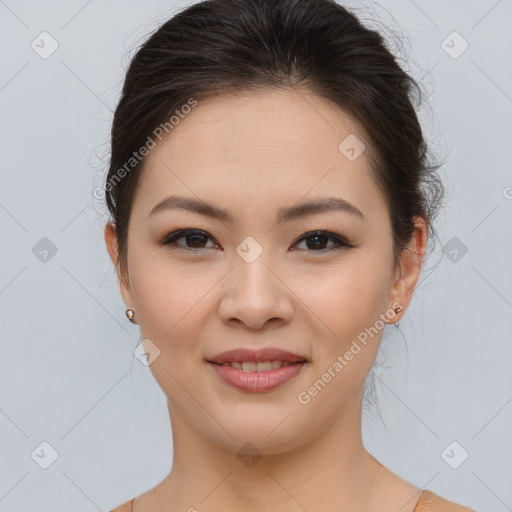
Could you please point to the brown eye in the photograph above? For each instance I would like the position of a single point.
(195, 239)
(316, 241)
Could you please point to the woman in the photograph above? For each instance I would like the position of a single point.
(271, 202)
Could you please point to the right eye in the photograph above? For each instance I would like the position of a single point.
(195, 239)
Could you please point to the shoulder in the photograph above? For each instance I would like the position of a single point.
(431, 502)
(125, 507)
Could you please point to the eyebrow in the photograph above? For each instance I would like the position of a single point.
(315, 206)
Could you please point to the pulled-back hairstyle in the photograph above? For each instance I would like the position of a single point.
(225, 46)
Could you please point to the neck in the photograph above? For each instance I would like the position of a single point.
(333, 467)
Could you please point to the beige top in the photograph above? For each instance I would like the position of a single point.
(428, 502)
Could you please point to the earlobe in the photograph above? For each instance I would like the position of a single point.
(410, 264)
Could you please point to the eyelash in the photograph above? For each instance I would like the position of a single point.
(171, 238)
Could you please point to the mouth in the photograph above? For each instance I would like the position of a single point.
(257, 377)
(263, 359)
(257, 371)
(259, 366)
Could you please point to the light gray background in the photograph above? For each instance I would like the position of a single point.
(67, 371)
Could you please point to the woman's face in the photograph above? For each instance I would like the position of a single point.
(251, 279)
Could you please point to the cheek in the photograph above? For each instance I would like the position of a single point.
(346, 297)
(169, 296)
(170, 304)
(348, 308)
(348, 301)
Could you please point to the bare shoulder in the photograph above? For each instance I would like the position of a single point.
(432, 502)
(125, 507)
(392, 493)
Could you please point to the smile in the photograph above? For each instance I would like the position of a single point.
(252, 366)
(259, 376)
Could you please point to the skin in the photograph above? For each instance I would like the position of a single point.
(253, 154)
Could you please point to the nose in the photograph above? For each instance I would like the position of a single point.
(255, 293)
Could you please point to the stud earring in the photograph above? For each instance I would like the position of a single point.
(397, 310)
(130, 314)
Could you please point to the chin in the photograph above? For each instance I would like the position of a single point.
(261, 433)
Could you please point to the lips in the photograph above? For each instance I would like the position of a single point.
(257, 371)
(256, 356)
(257, 382)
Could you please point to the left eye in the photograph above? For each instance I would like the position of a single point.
(315, 240)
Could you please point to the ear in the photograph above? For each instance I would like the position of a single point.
(112, 247)
(408, 269)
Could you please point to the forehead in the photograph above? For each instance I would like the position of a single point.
(257, 149)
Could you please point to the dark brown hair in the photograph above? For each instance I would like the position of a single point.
(224, 46)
